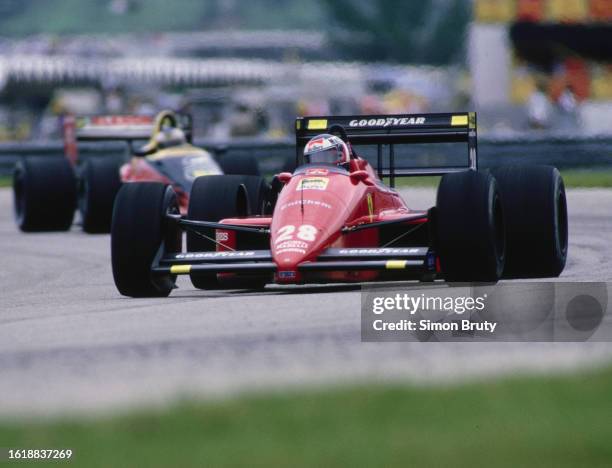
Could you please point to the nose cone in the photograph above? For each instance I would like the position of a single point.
(308, 216)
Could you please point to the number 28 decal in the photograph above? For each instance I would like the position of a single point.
(305, 232)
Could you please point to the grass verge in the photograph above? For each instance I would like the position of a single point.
(5, 182)
(575, 178)
(532, 421)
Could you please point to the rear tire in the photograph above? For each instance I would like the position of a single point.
(214, 198)
(535, 210)
(239, 165)
(44, 194)
(98, 187)
(470, 233)
(139, 232)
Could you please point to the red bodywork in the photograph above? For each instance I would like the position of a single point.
(313, 209)
(156, 165)
(139, 170)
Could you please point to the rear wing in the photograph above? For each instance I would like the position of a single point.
(119, 128)
(390, 130)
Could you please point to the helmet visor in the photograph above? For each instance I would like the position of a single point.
(329, 156)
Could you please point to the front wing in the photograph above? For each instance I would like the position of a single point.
(419, 260)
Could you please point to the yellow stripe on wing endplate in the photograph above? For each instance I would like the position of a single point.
(395, 264)
(317, 124)
(459, 121)
(180, 269)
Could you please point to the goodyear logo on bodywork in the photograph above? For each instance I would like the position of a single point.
(313, 183)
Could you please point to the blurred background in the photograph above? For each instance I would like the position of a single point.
(539, 74)
(246, 69)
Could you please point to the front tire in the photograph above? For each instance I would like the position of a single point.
(470, 232)
(214, 198)
(98, 187)
(139, 232)
(44, 194)
(535, 209)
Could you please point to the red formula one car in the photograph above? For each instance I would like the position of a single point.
(334, 220)
(47, 190)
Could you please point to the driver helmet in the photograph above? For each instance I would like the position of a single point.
(170, 136)
(327, 149)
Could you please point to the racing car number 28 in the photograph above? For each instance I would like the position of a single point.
(305, 232)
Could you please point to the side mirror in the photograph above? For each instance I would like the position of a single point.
(284, 177)
(361, 176)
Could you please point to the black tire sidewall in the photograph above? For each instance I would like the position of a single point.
(44, 190)
(139, 232)
(536, 220)
(470, 228)
(98, 186)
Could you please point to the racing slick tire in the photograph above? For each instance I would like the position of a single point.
(535, 210)
(98, 185)
(139, 232)
(470, 232)
(214, 198)
(239, 165)
(44, 194)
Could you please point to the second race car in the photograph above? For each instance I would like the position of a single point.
(47, 190)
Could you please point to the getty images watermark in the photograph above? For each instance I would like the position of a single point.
(507, 311)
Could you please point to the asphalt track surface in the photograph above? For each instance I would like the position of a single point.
(70, 342)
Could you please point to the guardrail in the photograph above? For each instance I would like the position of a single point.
(560, 151)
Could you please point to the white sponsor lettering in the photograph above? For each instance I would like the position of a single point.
(388, 122)
(221, 236)
(292, 244)
(377, 251)
(196, 255)
(306, 203)
(301, 251)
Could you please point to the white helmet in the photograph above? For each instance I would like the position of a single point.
(326, 148)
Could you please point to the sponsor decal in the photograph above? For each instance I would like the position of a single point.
(196, 255)
(282, 251)
(114, 123)
(306, 203)
(109, 120)
(286, 274)
(292, 244)
(388, 122)
(317, 172)
(195, 167)
(379, 251)
(221, 236)
(313, 183)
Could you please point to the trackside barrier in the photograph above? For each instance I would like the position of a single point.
(563, 152)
